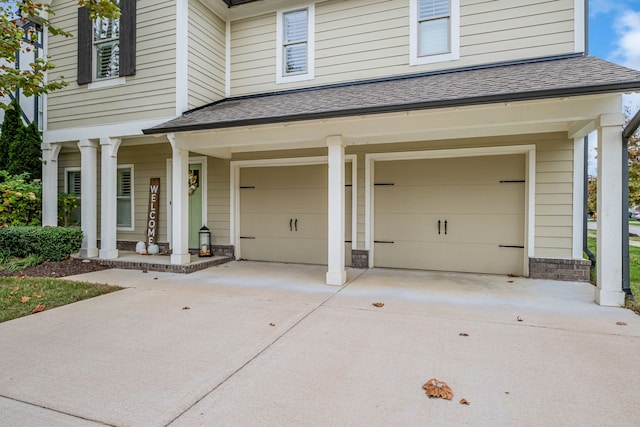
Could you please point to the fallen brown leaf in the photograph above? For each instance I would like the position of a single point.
(37, 295)
(519, 319)
(464, 402)
(186, 308)
(512, 275)
(463, 334)
(25, 299)
(15, 289)
(144, 271)
(378, 304)
(509, 281)
(621, 324)
(436, 388)
(155, 278)
(38, 309)
(272, 324)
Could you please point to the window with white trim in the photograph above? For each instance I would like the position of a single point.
(73, 185)
(435, 31)
(124, 197)
(106, 47)
(295, 40)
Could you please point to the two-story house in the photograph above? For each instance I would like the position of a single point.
(421, 134)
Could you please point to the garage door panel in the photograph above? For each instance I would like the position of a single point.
(431, 199)
(295, 250)
(467, 170)
(285, 177)
(290, 226)
(478, 258)
(494, 228)
(284, 200)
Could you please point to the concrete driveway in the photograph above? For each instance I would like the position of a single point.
(270, 345)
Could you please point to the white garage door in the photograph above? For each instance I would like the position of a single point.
(459, 214)
(283, 214)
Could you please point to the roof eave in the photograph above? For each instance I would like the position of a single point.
(394, 108)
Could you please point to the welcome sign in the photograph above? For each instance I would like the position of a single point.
(154, 205)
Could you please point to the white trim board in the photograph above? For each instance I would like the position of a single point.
(529, 150)
(202, 160)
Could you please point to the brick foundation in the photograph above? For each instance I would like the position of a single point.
(359, 258)
(574, 270)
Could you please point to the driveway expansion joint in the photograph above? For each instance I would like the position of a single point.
(35, 405)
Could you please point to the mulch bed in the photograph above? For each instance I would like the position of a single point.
(68, 267)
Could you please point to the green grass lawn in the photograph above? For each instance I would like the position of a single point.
(634, 270)
(22, 296)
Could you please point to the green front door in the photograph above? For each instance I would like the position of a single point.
(195, 203)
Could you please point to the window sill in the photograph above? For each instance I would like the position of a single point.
(101, 84)
(294, 78)
(432, 59)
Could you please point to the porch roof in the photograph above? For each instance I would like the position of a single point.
(519, 81)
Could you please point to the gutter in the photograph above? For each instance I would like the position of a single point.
(585, 206)
(627, 133)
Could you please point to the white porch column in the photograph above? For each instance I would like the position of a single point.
(336, 274)
(108, 200)
(89, 199)
(179, 203)
(50, 184)
(609, 256)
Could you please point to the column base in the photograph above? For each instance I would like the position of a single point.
(336, 278)
(89, 252)
(609, 298)
(181, 259)
(108, 253)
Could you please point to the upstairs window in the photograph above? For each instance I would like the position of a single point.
(295, 45)
(435, 31)
(107, 47)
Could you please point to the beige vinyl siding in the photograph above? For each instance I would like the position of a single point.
(206, 81)
(218, 193)
(147, 95)
(363, 39)
(149, 161)
(253, 54)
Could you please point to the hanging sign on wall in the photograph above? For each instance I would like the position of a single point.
(152, 216)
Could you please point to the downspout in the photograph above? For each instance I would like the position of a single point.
(627, 133)
(585, 245)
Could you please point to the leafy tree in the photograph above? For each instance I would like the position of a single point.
(25, 153)
(12, 18)
(634, 167)
(12, 130)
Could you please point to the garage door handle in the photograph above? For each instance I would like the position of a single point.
(296, 224)
(438, 226)
(290, 224)
(445, 227)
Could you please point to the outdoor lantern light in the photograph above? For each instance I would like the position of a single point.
(205, 241)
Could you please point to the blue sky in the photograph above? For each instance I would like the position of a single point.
(614, 35)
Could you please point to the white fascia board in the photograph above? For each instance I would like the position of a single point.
(96, 132)
(182, 49)
(579, 26)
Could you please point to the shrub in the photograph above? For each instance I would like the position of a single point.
(20, 200)
(67, 204)
(47, 243)
(25, 152)
(12, 129)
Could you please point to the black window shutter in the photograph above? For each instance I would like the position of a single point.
(85, 46)
(127, 37)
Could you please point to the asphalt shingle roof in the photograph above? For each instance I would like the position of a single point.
(569, 76)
